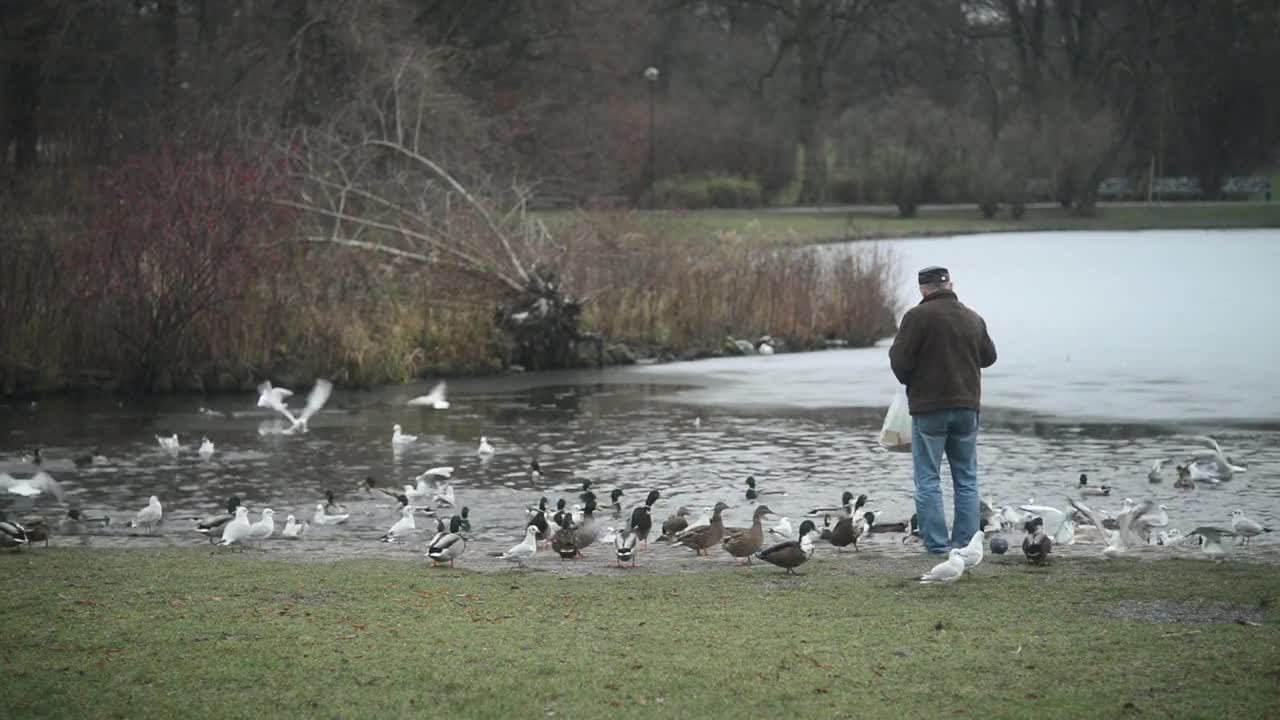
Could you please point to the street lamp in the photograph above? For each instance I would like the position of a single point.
(651, 75)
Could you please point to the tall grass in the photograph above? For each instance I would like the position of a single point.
(363, 320)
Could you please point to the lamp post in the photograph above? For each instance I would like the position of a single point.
(651, 75)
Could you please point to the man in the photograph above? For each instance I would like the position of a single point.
(938, 353)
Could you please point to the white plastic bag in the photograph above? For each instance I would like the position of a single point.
(895, 436)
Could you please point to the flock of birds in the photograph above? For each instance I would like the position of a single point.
(568, 531)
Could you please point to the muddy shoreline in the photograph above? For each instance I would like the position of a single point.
(881, 554)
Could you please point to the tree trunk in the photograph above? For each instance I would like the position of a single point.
(812, 106)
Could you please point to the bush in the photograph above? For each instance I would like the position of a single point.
(695, 193)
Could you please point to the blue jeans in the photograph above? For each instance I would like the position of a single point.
(956, 433)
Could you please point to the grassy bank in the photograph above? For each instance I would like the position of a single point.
(92, 633)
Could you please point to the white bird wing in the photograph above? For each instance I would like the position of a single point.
(273, 399)
(1131, 519)
(1205, 439)
(316, 400)
(45, 483)
(1049, 514)
(444, 472)
(1092, 516)
(435, 396)
(7, 481)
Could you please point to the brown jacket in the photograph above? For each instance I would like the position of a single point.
(939, 352)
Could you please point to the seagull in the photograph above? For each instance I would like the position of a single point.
(42, 483)
(265, 526)
(274, 398)
(292, 530)
(1056, 523)
(445, 472)
(434, 399)
(1156, 474)
(524, 550)
(1126, 536)
(149, 516)
(1199, 474)
(972, 553)
(1223, 467)
(783, 528)
(169, 444)
(947, 571)
(215, 524)
(237, 531)
(399, 438)
(1246, 528)
(485, 448)
(321, 518)
(206, 448)
(443, 495)
(1211, 541)
(403, 528)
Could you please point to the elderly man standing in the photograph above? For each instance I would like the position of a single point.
(938, 353)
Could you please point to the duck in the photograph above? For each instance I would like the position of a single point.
(12, 533)
(537, 472)
(701, 537)
(1036, 546)
(642, 518)
(149, 516)
(791, 554)
(560, 511)
(674, 524)
(213, 525)
(465, 515)
(73, 523)
(846, 498)
(292, 530)
(565, 540)
(447, 546)
(847, 530)
(322, 517)
(1184, 481)
(206, 448)
(615, 502)
(91, 457)
(892, 527)
(624, 546)
(1095, 490)
(331, 504)
(398, 437)
(538, 519)
(586, 531)
(746, 542)
(586, 491)
(753, 493)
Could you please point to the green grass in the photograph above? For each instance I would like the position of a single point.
(146, 633)
(806, 227)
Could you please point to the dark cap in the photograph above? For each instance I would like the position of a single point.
(934, 274)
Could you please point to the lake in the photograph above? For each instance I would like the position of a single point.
(1115, 349)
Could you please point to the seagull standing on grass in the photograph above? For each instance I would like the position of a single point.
(237, 531)
(947, 571)
(523, 550)
(1246, 528)
(434, 399)
(149, 516)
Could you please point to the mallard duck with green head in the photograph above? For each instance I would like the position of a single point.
(587, 530)
(564, 541)
(212, 526)
(847, 531)
(700, 538)
(791, 554)
(745, 542)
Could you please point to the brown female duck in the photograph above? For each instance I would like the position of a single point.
(702, 537)
(745, 542)
(675, 524)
